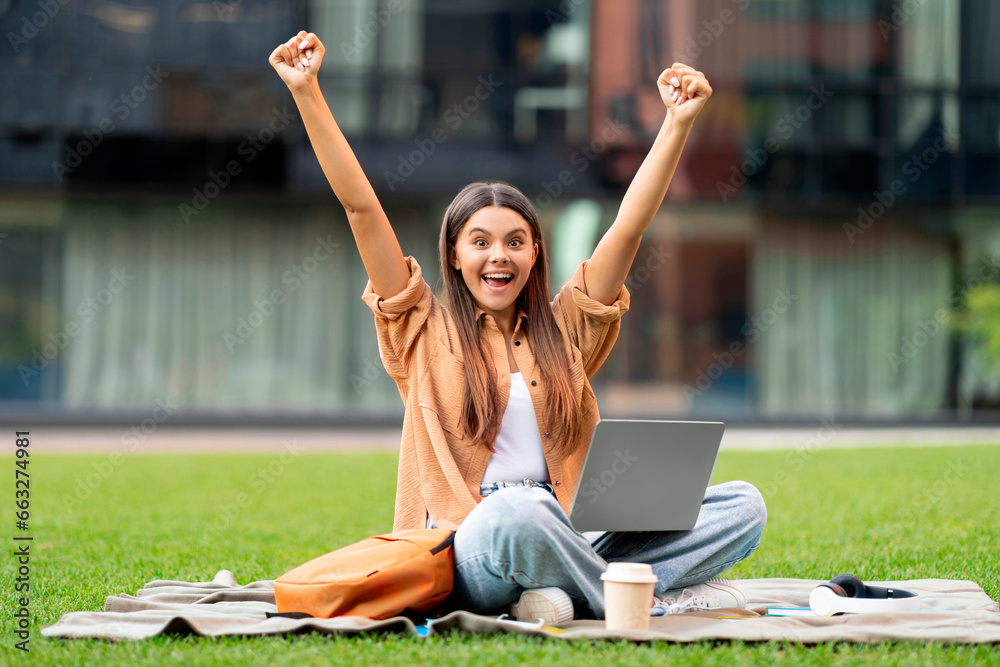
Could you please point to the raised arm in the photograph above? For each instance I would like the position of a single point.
(297, 62)
(684, 92)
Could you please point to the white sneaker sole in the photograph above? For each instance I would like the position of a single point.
(550, 605)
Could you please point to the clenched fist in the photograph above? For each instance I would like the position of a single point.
(297, 61)
(684, 91)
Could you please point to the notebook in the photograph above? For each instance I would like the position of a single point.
(644, 475)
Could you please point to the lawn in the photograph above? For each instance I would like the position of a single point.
(104, 525)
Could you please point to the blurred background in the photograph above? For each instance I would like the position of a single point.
(829, 244)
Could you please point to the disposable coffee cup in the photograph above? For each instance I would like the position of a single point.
(628, 594)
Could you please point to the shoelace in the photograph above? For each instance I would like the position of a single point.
(686, 602)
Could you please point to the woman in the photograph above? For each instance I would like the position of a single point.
(498, 406)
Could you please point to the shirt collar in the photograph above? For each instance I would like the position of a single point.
(521, 315)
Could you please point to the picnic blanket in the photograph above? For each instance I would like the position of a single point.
(955, 611)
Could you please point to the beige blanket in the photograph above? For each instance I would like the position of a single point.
(955, 612)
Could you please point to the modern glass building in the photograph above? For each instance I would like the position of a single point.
(167, 237)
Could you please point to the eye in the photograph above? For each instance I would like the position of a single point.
(516, 242)
(480, 243)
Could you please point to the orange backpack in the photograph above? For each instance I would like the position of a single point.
(378, 577)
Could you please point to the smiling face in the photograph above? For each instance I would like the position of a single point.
(495, 253)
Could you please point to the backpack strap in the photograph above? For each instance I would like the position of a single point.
(448, 541)
(287, 614)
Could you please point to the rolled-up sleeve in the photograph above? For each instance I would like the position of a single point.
(591, 325)
(400, 319)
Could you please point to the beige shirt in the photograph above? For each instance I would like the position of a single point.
(440, 468)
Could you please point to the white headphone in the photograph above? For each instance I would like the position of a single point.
(848, 594)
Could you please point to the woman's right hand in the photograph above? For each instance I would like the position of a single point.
(297, 61)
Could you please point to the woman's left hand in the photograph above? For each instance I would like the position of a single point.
(684, 91)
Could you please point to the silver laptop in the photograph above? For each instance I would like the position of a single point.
(643, 475)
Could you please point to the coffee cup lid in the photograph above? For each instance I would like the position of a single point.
(630, 573)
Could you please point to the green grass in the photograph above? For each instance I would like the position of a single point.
(891, 513)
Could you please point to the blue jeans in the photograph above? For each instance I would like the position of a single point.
(520, 537)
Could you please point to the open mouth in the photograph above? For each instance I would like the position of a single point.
(498, 280)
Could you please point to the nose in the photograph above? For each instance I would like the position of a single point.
(498, 255)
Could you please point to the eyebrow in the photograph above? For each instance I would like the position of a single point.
(520, 230)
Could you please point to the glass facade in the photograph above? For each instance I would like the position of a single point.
(152, 139)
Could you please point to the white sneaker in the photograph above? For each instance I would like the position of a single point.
(712, 594)
(550, 605)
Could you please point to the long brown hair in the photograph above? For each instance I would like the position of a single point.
(482, 410)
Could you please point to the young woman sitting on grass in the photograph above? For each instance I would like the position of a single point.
(499, 410)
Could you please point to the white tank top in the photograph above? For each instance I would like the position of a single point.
(518, 449)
